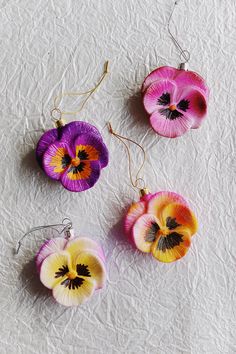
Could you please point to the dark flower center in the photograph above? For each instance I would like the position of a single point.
(169, 241)
(62, 271)
(72, 283)
(183, 105)
(152, 232)
(82, 269)
(171, 223)
(164, 100)
(73, 280)
(66, 160)
(83, 155)
(76, 169)
(171, 112)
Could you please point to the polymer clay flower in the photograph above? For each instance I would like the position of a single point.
(175, 99)
(73, 154)
(72, 269)
(161, 224)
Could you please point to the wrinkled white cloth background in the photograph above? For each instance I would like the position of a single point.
(146, 307)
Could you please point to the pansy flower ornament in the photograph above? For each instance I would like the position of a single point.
(72, 267)
(161, 224)
(73, 154)
(175, 99)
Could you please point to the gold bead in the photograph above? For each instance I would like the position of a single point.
(59, 123)
(143, 192)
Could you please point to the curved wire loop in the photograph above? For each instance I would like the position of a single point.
(66, 227)
(138, 182)
(57, 113)
(184, 53)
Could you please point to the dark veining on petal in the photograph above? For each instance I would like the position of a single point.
(170, 241)
(72, 283)
(76, 169)
(171, 223)
(166, 112)
(82, 269)
(164, 100)
(152, 232)
(183, 105)
(62, 271)
(65, 161)
(83, 155)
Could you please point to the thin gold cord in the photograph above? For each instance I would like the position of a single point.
(89, 93)
(135, 183)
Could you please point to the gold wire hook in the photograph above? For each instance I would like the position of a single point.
(134, 183)
(56, 110)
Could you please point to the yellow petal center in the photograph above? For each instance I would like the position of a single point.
(172, 107)
(164, 231)
(72, 274)
(75, 162)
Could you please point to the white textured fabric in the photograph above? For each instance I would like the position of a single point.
(146, 307)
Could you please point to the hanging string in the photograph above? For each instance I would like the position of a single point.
(66, 227)
(184, 53)
(57, 113)
(135, 182)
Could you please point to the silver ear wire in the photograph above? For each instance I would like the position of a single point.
(67, 229)
(184, 53)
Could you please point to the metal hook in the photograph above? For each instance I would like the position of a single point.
(141, 185)
(67, 229)
(184, 53)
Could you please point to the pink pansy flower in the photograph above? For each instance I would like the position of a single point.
(176, 100)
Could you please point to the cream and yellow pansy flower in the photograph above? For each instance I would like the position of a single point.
(72, 269)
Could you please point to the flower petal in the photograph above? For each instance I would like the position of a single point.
(57, 159)
(73, 296)
(170, 128)
(182, 215)
(66, 133)
(54, 268)
(53, 245)
(158, 95)
(46, 139)
(172, 247)
(76, 181)
(145, 232)
(134, 212)
(164, 72)
(190, 78)
(160, 200)
(89, 265)
(72, 130)
(93, 148)
(196, 104)
(82, 244)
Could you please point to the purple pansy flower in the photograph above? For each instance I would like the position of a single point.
(73, 154)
